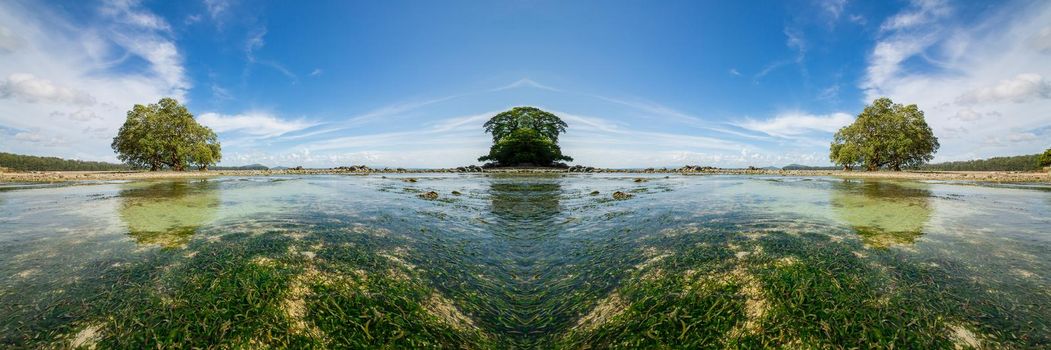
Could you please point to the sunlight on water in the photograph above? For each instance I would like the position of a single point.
(525, 261)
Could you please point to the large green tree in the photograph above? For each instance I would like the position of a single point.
(525, 136)
(1045, 159)
(165, 134)
(885, 135)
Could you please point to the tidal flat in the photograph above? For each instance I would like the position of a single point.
(525, 261)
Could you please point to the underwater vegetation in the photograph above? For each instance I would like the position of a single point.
(524, 262)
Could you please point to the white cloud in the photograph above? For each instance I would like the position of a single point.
(29, 88)
(252, 123)
(1022, 88)
(316, 72)
(46, 77)
(795, 124)
(979, 80)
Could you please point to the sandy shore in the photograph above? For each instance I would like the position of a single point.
(980, 176)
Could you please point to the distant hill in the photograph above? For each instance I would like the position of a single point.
(807, 167)
(243, 167)
(1013, 163)
(20, 162)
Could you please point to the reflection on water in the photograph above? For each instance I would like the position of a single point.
(524, 262)
(168, 213)
(883, 213)
(526, 200)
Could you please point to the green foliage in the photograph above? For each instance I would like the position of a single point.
(165, 134)
(525, 146)
(885, 134)
(505, 123)
(1028, 162)
(20, 162)
(525, 136)
(1045, 159)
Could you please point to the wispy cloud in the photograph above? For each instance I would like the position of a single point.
(256, 40)
(525, 82)
(795, 124)
(919, 12)
(252, 123)
(795, 41)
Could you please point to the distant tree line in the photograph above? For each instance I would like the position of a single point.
(20, 162)
(1013, 163)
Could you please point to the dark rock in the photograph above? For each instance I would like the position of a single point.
(594, 193)
(621, 195)
(431, 195)
(456, 193)
(410, 179)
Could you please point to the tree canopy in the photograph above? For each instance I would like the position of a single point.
(505, 123)
(885, 134)
(525, 136)
(165, 134)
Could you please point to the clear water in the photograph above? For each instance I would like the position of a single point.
(524, 261)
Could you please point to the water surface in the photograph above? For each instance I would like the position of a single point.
(524, 261)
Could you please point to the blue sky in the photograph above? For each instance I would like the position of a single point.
(409, 83)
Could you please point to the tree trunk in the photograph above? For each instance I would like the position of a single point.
(154, 167)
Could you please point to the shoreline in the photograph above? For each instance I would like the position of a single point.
(977, 176)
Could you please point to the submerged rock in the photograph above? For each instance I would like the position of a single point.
(456, 193)
(594, 193)
(639, 179)
(621, 195)
(411, 179)
(429, 195)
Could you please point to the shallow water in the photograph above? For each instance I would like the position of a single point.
(525, 261)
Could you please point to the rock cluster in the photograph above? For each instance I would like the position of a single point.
(469, 169)
(621, 195)
(429, 195)
(696, 169)
(581, 169)
(355, 168)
